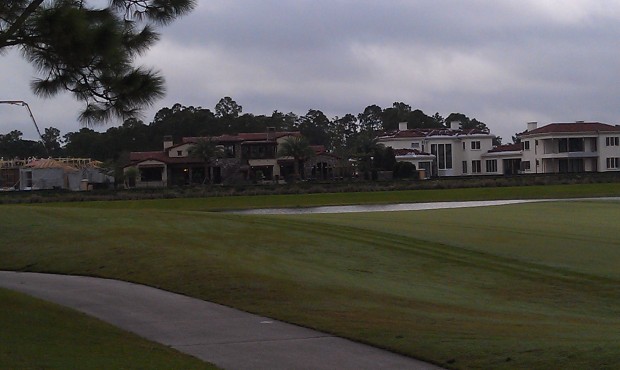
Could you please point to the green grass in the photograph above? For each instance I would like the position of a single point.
(523, 286)
(554, 234)
(379, 197)
(40, 335)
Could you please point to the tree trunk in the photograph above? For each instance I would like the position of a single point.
(296, 169)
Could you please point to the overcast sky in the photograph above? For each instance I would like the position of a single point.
(502, 62)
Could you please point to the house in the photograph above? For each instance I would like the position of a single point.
(570, 147)
(442, 152)
(324, 165)
(62, 173)
(248, 157)
(421, 160)
(503, 159)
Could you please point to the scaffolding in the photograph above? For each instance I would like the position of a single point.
(12, 163)
(73, 162)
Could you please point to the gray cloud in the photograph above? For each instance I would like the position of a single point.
(502, 62)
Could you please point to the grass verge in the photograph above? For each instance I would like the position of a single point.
(378, 197)
(41, 335)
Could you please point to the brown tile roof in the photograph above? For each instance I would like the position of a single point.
(507, 148)
(573, 127)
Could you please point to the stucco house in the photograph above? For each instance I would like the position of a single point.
(503, 160)
(325, 165)
(442, 152)
(570, 147)
(248, 157)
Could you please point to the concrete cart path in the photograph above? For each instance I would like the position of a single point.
(226, 337)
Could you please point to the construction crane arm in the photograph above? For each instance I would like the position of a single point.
(24, 104)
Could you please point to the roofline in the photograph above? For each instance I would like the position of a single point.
(607, 128)
(427, 137)
(512, 153)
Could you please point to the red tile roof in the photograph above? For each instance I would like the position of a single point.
(319, 150)
(137, 157)
(401, 152)
(408, 133)
(507, 148)
(573, 127)
(244, 136)
(429, 132)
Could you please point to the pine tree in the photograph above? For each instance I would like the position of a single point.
(88, 50)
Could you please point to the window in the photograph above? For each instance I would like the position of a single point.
(562, 146)
(491, 165)
(526, 145)
(179, 153)
(571, 145)
(525, 165)
(612, 141)
(151, 174)
(464, 166)
(570, 165)
(443, 152)
(612, 163)
(415, 145)
(576, 145)
(475, 145)
(476, 166)
(229, 151)
(463, 145)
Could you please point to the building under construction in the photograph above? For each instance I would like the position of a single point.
(76, 174)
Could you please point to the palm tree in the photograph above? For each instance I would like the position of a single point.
(298, 148)
(365, 148)
(207, 150)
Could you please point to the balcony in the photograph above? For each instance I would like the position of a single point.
(568, 148)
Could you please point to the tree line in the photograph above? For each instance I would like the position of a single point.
(344, 135)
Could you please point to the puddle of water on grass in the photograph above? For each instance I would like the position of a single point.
(381, 207)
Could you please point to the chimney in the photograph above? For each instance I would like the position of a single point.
(271, 133)
(168, 142)
(455, 125)
(402, 126)
(531, 126)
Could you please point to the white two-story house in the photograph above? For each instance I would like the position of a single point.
(570, 147)
(443, 152)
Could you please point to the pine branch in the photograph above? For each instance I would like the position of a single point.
(5, 37)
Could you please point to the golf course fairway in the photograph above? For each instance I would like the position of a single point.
(518, 286)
